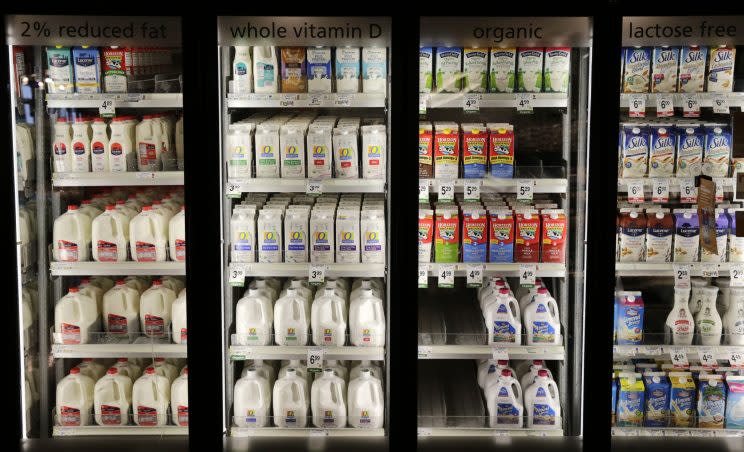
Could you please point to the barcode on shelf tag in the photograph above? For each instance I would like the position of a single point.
(527, 274)
(709, 270)
(472, 190)
(446, 275)
(446, 190)
(637, 106)
(690, 106)
(500, 353)
(107, 109)
(707, 357)
(524, 102)
(737, 274)
(474, 274)
(720, 104)
(687, 190)
(679, 357)
(424, 192)
(314, 188)
(660, 191)
(664, 105)
(471, 103)
(525, 189)
(237, 275)
(316, 274)
(315, 359)
(635, 191)
(681, 276)
(423, 276)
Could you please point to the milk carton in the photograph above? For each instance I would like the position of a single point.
(347, 70)
(242, 71)
(501, 236)
(449, 69)
(474, 150)
(347, 235)
(319, 71)
(686, 236)
(501, 150)
(664, 69)
(243, 234)
(346, 152)
(692, 69)
(87, 63)
(446, 151)
(682, 399)
(270, 236)
(530, 69)
(629, 313)
(527, 241)
(294, 73)
(292, 145)
(632, 235)
(637, 70)
(59, 62)
(553, 242)
(690, 152)
(265, 69)
(374, 70)
(661, 152)
(502, 69)
(267, 151)
(657, 399)
(372, 225)
(322, 236)
(425, 234)
(447, 235)
(557, 73)
(474, 235)
(426, 69)
(475, 70)
(735, 402)
(717, 152)
(711, 402)
(659, 234)
(296, 235)
(630, 403)
(721, 69)
(374, 151)
(319, 151)
(634, 152)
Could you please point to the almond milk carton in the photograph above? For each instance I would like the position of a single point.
(664, 70)
(721, 69)
(691, 77)
(637, 70)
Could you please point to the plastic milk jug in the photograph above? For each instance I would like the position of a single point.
(541, 320)
(179, 329)
(328, 400)
(99, 144)
(490, 369)
(164, 368)
(150, 399)
(708, 323)
(504, 400)
(367, 320)
(328, 320)
(180, 399)
(374, 369)
(72, 236)
(128, 368)
(680, 325)
(75, 315)
(365, 400)
(75, 399)
(155, 309)
(120, 148)
(291, 400)
(254, 319)
(177, 236)
(542, 403)
(120, 313)
(110, 236)
(112, 398)
(291, 319)
(529, 377)
(502, 319)
(252, 405)
(149, 144)
(148, 238)
(92, 291)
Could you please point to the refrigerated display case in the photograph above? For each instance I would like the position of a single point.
(678, 314)
(305, 119)
(502, 190)
(97, 125)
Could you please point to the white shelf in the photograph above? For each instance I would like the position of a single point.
(495, 185)
(720, 352)
(728, 184)
(117, 268)
(547, 352)
(278, 185)
(144, 350)
(302, 270)
(704, 100)
(496, 100)
(126, 430)
(304, 100)
(669, 431)
(482, 431)
(132, 100)
(543, 270)
(243, 432)
(244, 352)
(117, 179)
(657, 269)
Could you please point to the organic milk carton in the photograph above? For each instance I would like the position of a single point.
(347, 235)
(115, 70)
(319, 151)
(634, 151)
(664, 69)
(372, 225)
(530, 69)
(553, 243)
(267, 150)
(319, 71)
(637, 70)
(690, 143)
(629, 312)
(296, 235)
(446, 151)
(717, 152)
(659, 234)
(527, 248)
(686, 235)
(447, 235)
(721, 69)
(474, 150)
(475, 70)
(722, 231)
(87, 63)
(59, 62)
(711, 401)
(501, 236)
(346, 152)
(294, 74)
(449, 69)
(270, 235)
(374, 70)
(657, 399)
(374, 151)
(292, 151)
(630, 402)
(425, 234)
(474, 235)
(735, 402)
(322, 236)
(661, 152)
(691, 77)
(501, 150)
(347, 70)
(557, 73)
(502, 68)
(426, 69)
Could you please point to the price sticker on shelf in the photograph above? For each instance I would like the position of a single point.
(314, 188)
(720, 104)
(737, 275)
(681, 276)
(709, 270)
(315, 359)
(637, 106)
(446, 190)
(342, 100)
(288, 100)
(524, 102)
(736, 359)
(679, 357)
(635, 191)
(471, 103)
(664, 105)
(314, 100)
(687, 190)
(232, 191)
(690, 106)
(423, 276)
(423, 102)
(660, 191)
(236, 278)
(707, 357)
(145, 175)
(650, 350)
(424, 192)
(424, 351)
(472, 190)
(474, 274)
(316, 274)
(500, 353)
(525, 189)
(107, 109)
(423, 431)
(446, 275)
(527, 274)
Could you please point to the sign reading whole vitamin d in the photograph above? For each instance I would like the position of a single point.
(683, 30)
(304, 31)
(506, 31)
(94, 30)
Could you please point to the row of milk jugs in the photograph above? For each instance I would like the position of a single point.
(129, 308)
(512, 397)
(124, 144)
(292, 313)
(124, 394)
(156, 233)
(334, 398)
(501, 310)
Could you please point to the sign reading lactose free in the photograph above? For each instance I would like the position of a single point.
(306, 31)
(671, 30)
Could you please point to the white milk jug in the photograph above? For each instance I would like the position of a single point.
(261, 286)
(75, 399)
(265, 69)
(91, 368)
(120, 149)
(502, 319)
(179, 329)
(137, 282)
(526, 298)
(62, 146)
(91, 290)
(130, 213)
(75, 316)
(148, 237)
(242, 71)
(733, 320)
(180, 399)
(529, 377)
(328, 400)
(150, 399)
(541, 320)
(155, 309)
(99, 146)
(680, 326)
(328, 320)
(112, 398)
(120, 312)
(367, 320)
(177, 236)
(71, 236)
(164, 368)
(254, 318)
(520, 292)
(504, 401)
(708, 323)
(128, 368)
(265, 369)
(298, 367)
(291, 319)
(374, 369)
(492, 291)
(366, 401)
(491, 369)
(252, 400)
(290, 400)
(542, 403)
(81, 135)
(110, 236)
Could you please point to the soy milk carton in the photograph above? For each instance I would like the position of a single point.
(664, 69)
(637, 73)
(691, 77)
(449, 69)
(530, 69)
(502, 68)
(475, 69)
(721, 69)
(557, 69)
(634, 152)
(661, 152)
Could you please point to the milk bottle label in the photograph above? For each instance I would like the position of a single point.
(154, 325)
(503, 330)
(70, 333)
(146, 252)
(107, 251)
(329, 420)
(147, 416)
(67, 251)
(542, 412)
(180, 250)
(60, 155)
(183, 415)
(110, 415)
(70, 417)
(506, 413)
(542, 328)
(117, 324)
(265, 74)
(147, 153)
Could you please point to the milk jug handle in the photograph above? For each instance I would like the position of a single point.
(515, 308)
(337, 311)
(518, 388)
(553, 306)
(379, 313)
(553, 389)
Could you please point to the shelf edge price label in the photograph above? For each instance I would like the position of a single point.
(472, 190)
(664, 105)
(236, 277)
(707, 357)
(687, 190)
(525, 189)
(720, 104)
(527, 274)
(287, 100)
(343, 100)
(709, 270)
(471, 103)
(679, 357)
(500, 353)
(660, 190)
(637, 106)
(681, 275)
(314, 100)
(424, 191)
(446, 275)
(423, 431)
(446, 190)
(635, 191)
(314, 188)
(424, 351)
(474, 274)
(737, 274)
(524, 102)
(690, 106)
(315, 359)
(107, 109)
(423, 102)
(316, 274)
(423, 276)
(736, 358)
(233, 190)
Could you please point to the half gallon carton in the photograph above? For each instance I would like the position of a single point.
(629, 313)
(735, 402)
(686, 235)
(270, 235)
(294, 72)
(319, 71)
(659, 235)
(267, 150)
(557, 72)
(374, 151)
(630, 400)
(372, 225)
(717, 153)
(115, 70)
(446, 151)
(474, 235)
(632, 235)
(374, 70)
(637, 73)
(347, 70)
(661, 151)
(346, 152)
(657, 399)
(711, 401)
(426, 69)
(347, 236)
(292, 151)
(692, 69)
(296, 233)
(501, 150)
(501, 230)
(426, 151)
(475, 69)
(690, 143)
(682, 400)
(59, 62)
(634, 151)
(447, 235)
(721, 69)
(527, 243)
(554, 228)
(664, 69)
(319, 151)
(474, 150)
(502, 69)
(322, 236)
(530, 69)
(449, 69)
(425, 234)
(87, 64)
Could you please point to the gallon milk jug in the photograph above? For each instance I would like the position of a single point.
(300, 285)
(263, 288)
(75, 399)
(128, 368)
(180, 399)
(149, 144)
(75, 316)
(491, 369)
(541, 320)
(91, 368)
(526, 299)
(367, 320)
(328, 399)
(71, 236)
(177, 236)
(252, 400)
(374, 370)
(120, 149)
(338, 367)
(164, 368)
(150, 399)
(155, 309)
(265, 70)
(148, 236)
(504, 401)
(265, 369)
(242, 71)
(174, 283)
(291, 319)
(680, 327)
(366, 401)
(81, 135)
(93, 291)
(733, 320)
(98, 146)
(529, 377)
(136, 282)
(254, 318)
(179, 330)
(502, 319)
(299, 368)
(542, 403)
(491, 292)
(290, 400)
(104, 282)
(61, 146)
(328, 321)
(520, 292)
(112, 398)
(708, 323)
(110, 235)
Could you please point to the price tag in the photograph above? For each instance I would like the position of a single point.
(500, 353)
(679, 357)
(236, 278)
(737, 274)
(424, 352)
(316, 274)
(637, 106)
(423, 431)
(315, 359)
(720, 104)
(650, 350)
(145, 175)
(423, 276)
(446, 275)
(681, 276)
(524, 103)
(424, 191)
(660, 190)
(314, 100)
(423, 102)
(471, 103)
(232, 191)
(287, 100)
(472, 190)
(318, 432)
(719, 188)
(709, 270)
(314, 188)
(635, 191)
(664, 105)
(107, 109)
(690, 106)
(736, 358)
(527, 273)
(342, 100)
(707, 357)
(687, 190)
(474, 275)
(525, 189)
(446, 190)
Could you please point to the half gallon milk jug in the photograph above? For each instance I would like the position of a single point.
(155, 309)
(62, 146)
(150, 399)
(265, 70)
(110, 234)
(542, 403)
(99, 146)
(291, 319)
(81, 135)
(112, 398)
(179, 330)
(252, 405)
(120, 149)
(177, 236)
(502, 320)
(180, 399)
(680, 326)
(491, 369)
(367, 320)
(708, 323)
(148, 236)
(75, 316)
(149, 144)
(541, 320)
(75, 399)
(366, 401)
(733, 320)
(242, 71)
(504, 400)
(328, 400)
(328, 320)
(71, 236)
(254, 318)
(290, 400)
